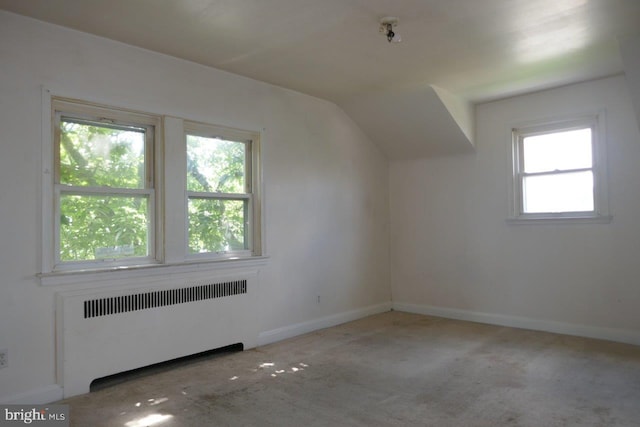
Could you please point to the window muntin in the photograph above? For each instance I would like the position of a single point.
(219, 191)
(103, 190)
(558, 171)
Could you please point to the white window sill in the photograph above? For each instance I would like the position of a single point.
(565, 219)
(59, 278)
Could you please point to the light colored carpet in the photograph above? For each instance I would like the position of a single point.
(392, 369)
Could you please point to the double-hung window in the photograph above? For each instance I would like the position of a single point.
(124, 189)
(221, 201)
(559, 171)
(104, 196)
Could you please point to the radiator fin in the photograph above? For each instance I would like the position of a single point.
(162, 298)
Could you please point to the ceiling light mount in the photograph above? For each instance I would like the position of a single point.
(387, 27)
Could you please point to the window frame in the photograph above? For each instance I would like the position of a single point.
(169, 229)
(251, 194)
(84, 111)
(600, 213)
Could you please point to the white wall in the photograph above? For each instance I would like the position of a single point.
(630, 52)
(452, 253)
(325, 184)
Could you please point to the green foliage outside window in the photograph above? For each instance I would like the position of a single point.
(216, 166)
(116, 223)
(94, 226)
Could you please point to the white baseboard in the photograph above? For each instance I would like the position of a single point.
(290, 331)
(39, 396)
(54, 392)
(609, 334)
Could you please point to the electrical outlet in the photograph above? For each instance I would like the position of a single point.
(4, 358)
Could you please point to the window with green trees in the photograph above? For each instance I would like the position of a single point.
(116, 197)
(104, 188)
(218, 191)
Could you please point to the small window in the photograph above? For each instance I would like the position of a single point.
(559, 171)
(220, 191)
(104, 186)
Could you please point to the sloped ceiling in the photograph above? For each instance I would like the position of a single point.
(401, 121)
(454, 52)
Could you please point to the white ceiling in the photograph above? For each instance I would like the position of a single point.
(476, 50)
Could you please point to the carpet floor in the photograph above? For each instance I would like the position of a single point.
(391, 369)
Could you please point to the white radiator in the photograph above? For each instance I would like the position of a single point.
(100, 332)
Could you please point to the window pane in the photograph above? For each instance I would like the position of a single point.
(215, 165)
(97, 155)
(558, 151)
(98, 227)
(568, 192)
(217, 225)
